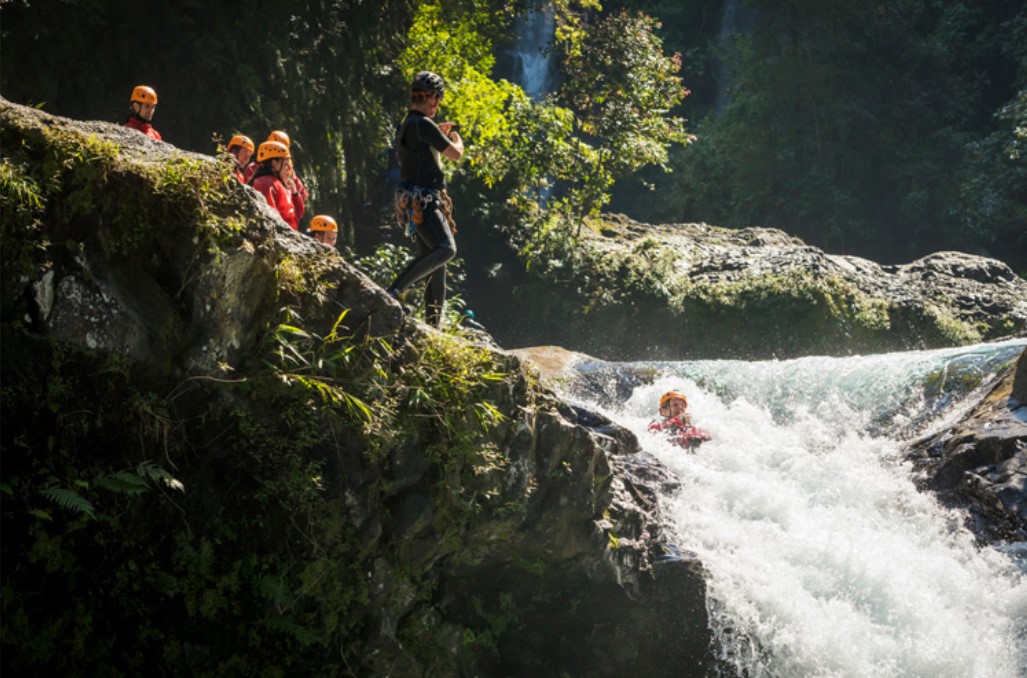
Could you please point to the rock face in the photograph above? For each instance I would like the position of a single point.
(981, 464)
(631, 291)
(226, 452)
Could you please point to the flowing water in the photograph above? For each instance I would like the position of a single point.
(823, 558)
(532, 60)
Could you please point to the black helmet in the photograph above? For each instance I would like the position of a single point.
(426, 81)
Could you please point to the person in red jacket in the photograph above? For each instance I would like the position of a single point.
(676, 424)
(140, 113)
(272, 157)
(241, 149)
(277, 135)
(291, 179)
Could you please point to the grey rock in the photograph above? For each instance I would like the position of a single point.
(677, 291)
(980, 464)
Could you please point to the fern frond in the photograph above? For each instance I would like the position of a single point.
(69, 499)
(124, 483)
(275, 591)
(300, 634)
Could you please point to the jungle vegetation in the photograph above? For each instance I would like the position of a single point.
(885, 130)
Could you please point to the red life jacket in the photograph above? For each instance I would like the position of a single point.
(144, 127)
(681, 431)
(279, 197)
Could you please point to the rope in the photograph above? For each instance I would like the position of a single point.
(410, 204)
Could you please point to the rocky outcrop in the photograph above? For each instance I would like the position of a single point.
(632, 291)
(980, 464)
(226, 451)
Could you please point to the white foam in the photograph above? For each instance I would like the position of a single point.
(824, 560)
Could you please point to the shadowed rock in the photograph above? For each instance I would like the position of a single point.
(159, 318)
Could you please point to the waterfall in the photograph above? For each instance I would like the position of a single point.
(531, 63)
(732, 19)
(823, 559)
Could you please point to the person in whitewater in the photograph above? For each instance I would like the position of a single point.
(676, 423)
(142, 105)
(423, 207)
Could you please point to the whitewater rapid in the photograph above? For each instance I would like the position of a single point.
(823, 559)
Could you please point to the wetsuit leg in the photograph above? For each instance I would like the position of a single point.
(435, 296)
(437, 246)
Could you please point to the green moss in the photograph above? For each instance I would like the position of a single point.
(951, 331)
(93, 189)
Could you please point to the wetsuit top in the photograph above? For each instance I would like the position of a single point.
(418, 144)
(142, 126)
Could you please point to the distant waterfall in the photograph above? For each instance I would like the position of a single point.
(823, 559)
(732, 19)
(531, 63)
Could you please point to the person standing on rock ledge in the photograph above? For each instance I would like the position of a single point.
(423, 207)
(240, 150)
(273, 156)
(324, 230)
(140, 113)
(289, 177)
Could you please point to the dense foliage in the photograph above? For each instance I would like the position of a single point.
(323, 71)
(203, 524)
(888, 131)
(883, 130)
(334, 76)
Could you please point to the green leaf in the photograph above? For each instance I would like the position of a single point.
(69, 499)
(124, 483)
(300, 634)
(41, 514)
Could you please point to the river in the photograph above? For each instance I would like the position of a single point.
(823, 558)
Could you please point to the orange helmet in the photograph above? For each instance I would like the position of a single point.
(242, 140)
(272, 149)
(670, 395)
(144, 95)
(281, 137)
(323, 223)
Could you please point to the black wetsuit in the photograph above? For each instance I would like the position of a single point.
(419, 141)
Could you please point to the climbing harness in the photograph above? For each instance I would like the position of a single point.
(411, 202)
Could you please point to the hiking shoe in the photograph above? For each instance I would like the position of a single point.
(395, 295)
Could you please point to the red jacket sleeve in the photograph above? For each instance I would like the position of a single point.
(299, 198)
